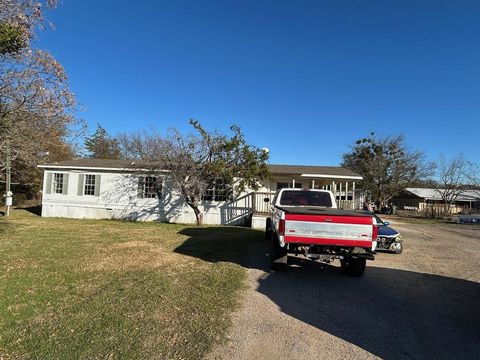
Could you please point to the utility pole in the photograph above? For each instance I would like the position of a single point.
(8, 192)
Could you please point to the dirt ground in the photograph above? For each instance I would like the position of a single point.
(421, 304)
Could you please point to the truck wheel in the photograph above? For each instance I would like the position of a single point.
(268, 229)
(353, 266)
(278, 256)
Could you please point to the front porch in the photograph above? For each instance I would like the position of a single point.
(261, 209)
(340, 181)
(344, 195)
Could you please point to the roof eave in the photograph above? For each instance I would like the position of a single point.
(70, 167)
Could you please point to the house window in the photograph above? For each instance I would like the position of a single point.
(57, 183)
(149, 187)
(89, 188)
(218, 190)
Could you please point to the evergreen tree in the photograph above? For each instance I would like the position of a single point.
(101, 146)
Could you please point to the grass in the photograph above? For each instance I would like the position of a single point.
(101, 289)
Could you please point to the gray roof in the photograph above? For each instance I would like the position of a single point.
(275, 169)
(434, 194)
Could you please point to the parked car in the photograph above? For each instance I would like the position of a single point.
(469, 219)
(388, 238)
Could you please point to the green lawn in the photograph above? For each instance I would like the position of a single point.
(115, 289)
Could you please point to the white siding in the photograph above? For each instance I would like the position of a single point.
(118, 200)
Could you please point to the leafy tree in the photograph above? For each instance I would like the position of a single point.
(194, 161)
(101, 146)
(19, 20)
(11, 38)
(25, 173)
(387, 166)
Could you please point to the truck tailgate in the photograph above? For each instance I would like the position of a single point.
(329, 230)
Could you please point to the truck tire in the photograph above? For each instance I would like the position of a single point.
(278, 256)
(268, 229)
(353, 266)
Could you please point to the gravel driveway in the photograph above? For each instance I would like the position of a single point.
(422, 304)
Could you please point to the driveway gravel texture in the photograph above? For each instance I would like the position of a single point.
(421, 304)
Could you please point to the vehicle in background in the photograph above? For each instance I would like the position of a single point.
(308, 223)
(468, 219)
(388, 239)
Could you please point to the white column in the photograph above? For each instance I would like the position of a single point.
(340, 196)
(346, 193)
(353, 194)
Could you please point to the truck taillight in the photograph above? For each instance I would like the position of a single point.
(375, 230)
(281, 227)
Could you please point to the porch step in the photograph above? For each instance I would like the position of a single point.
(259, 221)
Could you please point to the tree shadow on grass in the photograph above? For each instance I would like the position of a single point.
(220, 243)
(391, 313)
(35, 210)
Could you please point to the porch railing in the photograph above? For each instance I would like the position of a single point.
(262, 207)
(346, 204)
(259, 204)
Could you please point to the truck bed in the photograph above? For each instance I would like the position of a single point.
(326, 226)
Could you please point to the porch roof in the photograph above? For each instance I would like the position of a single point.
(310, 171)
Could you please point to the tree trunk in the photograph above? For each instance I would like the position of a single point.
(198, 215)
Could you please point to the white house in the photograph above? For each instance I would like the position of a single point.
(118, 189)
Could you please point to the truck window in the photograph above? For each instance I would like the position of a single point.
(305, 198)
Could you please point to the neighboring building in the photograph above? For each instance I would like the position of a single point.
(118, 189)
(421, 199)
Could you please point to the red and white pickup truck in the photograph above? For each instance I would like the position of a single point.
(308, 222)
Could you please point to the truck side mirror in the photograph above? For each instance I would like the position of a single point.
(266, 200)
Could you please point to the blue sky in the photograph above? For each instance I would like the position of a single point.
(303, 78)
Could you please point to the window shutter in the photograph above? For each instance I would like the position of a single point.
(97, 185)
(141, 186)
(65, 184)
(48, 183)
(158, 186)
(81, 181)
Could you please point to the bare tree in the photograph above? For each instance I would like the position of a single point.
(197, 160)
(454, 176)
(473, 175)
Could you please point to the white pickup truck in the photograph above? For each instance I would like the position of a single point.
(307, 222)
